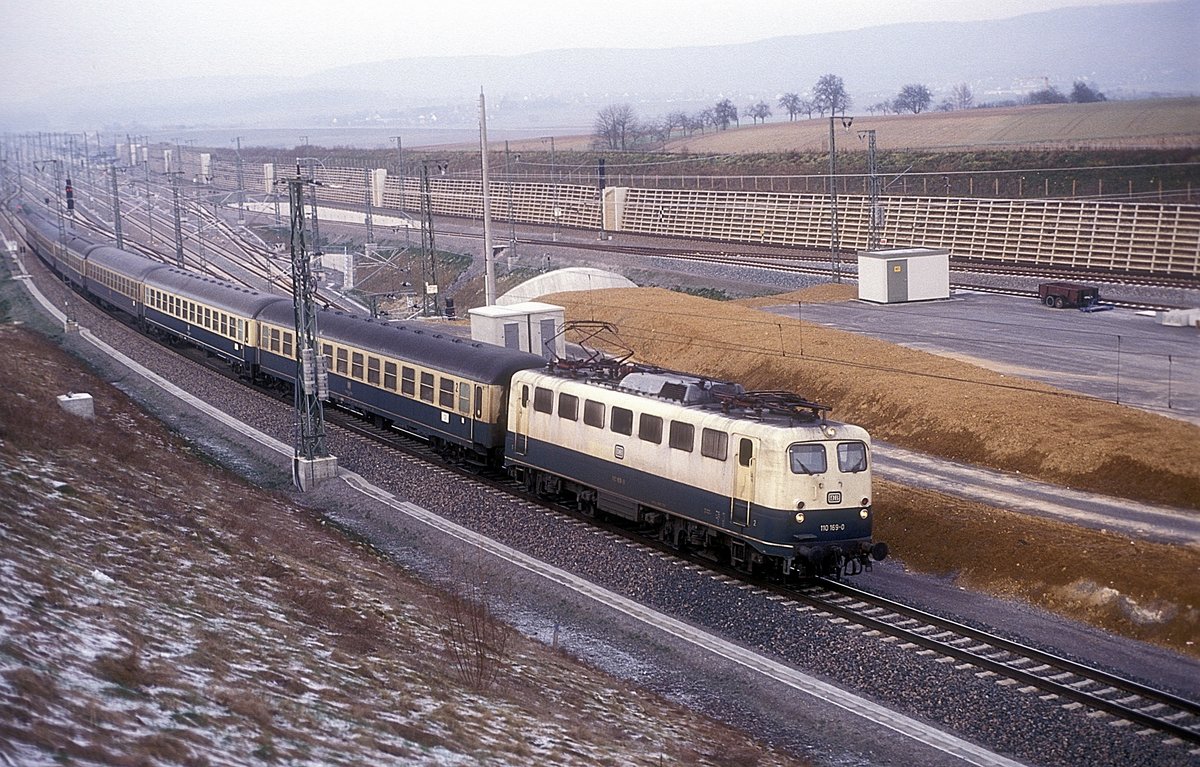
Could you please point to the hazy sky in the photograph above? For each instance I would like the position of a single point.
(56, 43)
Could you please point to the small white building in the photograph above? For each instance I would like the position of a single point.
(530, 326)
(903, 274)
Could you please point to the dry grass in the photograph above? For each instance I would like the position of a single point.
(912, 398)
(155, 610)
(956, 410)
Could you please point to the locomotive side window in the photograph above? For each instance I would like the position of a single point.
(682, 436)
(622, 421)
(593, 413)
(807, 458)
(852, 457)
(408, 381)
(543, 400)
(568, 406)
(427, 387)
(714, 444)
(389, 375)
(650, 428)
(745, 452)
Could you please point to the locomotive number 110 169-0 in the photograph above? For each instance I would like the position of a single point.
(837, 528)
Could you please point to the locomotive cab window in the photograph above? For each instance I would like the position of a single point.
(852, 457)
(745, 452)
(807, 458)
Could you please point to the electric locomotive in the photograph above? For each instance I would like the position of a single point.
(761, 480)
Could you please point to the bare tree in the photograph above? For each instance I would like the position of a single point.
(725, 112)
(759, 111)
(1083, 93)
(913, 98)
(792, 104)
(615, 125)
(829, 94)
(479, 644)
(961, 96)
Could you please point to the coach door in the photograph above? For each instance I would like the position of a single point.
(745, 455)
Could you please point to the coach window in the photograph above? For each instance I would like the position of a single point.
(543, 400)
(207, 317)
(622, 421)
(427, 387)
(273, 340)
(446, 393)
(373, 371)
(327, 353)
(714, 444)
(288, 341)
(650, 428)
(807, 458)
(356, 365)
(343, 357)
(241, 330)
(568, 406)
(192, 312)
(408, 381)
(389, 375)
(593, 413)
(852, 457)
(464, 397)
(682, 436)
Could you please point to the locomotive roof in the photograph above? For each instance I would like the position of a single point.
(130, 264)
(416, 342)
(212, 292)
(691, 390)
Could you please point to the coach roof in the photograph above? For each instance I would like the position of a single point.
(220, 294)
(417, 343)
(129, 264)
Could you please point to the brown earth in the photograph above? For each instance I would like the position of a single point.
(965, 413)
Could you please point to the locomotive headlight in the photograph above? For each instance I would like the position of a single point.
(862, 513)
(799, 517)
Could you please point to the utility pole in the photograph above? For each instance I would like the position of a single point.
(834, 245)
(489, 255)
(428, 251)
(367, 217)
(312, 461)
(116, 203)
(241, 184)
(149, 205)
(875, 227)
(178, 229)
(512, 219)
(400, 168)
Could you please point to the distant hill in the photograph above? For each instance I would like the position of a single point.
(1126, 51)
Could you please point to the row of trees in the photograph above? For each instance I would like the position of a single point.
(618, 128)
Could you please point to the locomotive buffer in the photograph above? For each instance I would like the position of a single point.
(312, 462)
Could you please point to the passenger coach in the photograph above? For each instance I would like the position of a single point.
(449, 390)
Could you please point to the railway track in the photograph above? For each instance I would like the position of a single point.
(1176, 718)
(1084, 689)
(1079, 687)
